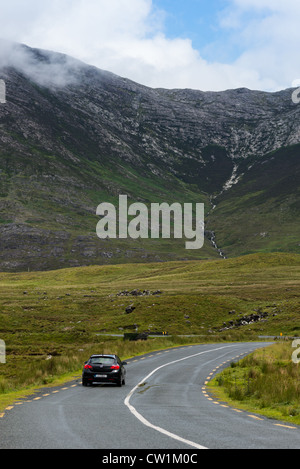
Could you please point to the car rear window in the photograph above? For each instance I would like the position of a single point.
(102, 360)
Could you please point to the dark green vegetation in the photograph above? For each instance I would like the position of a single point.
(263, 207)
(267, 382)
(65, 314)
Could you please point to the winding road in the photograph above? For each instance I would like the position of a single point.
(165, 404)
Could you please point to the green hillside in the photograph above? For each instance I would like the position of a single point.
(261, 212)
(57, 222)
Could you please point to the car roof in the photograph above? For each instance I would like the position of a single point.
(103, 355)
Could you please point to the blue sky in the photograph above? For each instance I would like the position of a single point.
(197, 20)
(201, 44)
(201, 21)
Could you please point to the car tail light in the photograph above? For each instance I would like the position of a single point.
(115, 367)
(88, 367)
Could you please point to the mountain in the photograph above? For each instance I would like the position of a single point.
(73, 136)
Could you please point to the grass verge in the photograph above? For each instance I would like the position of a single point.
(266, 382)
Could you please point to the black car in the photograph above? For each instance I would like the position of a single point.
(104, 369)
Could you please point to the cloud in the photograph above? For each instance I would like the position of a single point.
(128, 38)
(269, 33)
(44, 67)
(272, 5)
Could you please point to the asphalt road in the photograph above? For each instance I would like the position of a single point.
(165, 404)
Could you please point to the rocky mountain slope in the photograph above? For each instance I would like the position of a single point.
(73, 136)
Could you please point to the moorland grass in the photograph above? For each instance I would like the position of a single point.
(266, 382)
(52, 321)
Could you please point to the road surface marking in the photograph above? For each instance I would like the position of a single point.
(254, 417)
(286, 426)
(146, 422)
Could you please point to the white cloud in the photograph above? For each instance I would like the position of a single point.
(269, 32)
(127, 38)
(272, 5)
